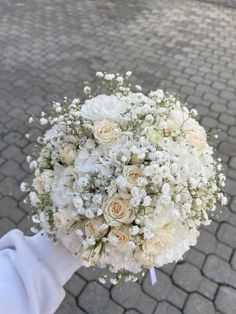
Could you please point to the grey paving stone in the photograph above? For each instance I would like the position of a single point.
(161, 289)
(219, 271)
(11, 187)
(211, 228)
(25, 224)
(130, 295)
(194, 257)
(208, 288)
(99, 296)
(226, 300)
(233, 260)
(69, 306)
(132, 312)
(90, 273)
(75, 285)
(197, 304)
(187, 276)
(227, 148)
(10, 209)
(168, 268)
(226, 234)
(227, 119)
(206, 242)
(177, 297)
(230, 187)
(166, 308)
(232, 131)
(232, 162)
(223, 251)
(232, 204)
(209, 122)
(5, 226)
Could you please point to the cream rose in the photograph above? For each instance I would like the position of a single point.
(62, 220)
(67, 154)
(117, 211)
(94, 228)
(132, 173)
(105, 131)
(197, 138)
(38, 184)
(90, 256)
(119, 237)
(42, 183)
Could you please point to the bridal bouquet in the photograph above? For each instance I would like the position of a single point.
(123, 179)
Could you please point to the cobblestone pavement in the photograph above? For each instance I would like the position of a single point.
(48, 48)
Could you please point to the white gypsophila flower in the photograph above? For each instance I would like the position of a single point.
(33, 164)
(102, 280)
(120, 79)
(43, 121)
(34, 200)
(158, 95)
(24, 187)
(28, 159)
(87, 90)
(99, 74)
(138, 87)
(103, 107)
(134, 230)
(109, 77)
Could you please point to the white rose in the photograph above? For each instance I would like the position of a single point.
(117, 211)
(67, 154)
(103, 107)
(105, 131)
(132, 173)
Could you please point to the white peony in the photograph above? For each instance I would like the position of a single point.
(103, 107)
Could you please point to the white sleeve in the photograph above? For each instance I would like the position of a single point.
(32, 273)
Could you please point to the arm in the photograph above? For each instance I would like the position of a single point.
(32, 273)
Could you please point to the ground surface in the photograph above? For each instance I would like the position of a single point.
(47, 48)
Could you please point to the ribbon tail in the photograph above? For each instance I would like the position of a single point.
(153, 276)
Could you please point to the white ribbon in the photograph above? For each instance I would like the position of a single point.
(153, 276)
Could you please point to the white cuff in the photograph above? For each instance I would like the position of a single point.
(55, 256)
